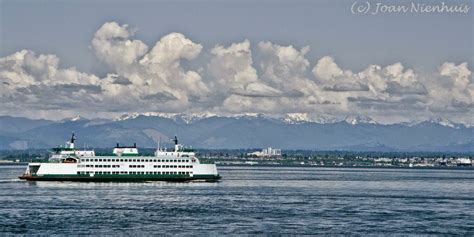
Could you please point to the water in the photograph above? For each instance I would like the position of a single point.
(249, 200)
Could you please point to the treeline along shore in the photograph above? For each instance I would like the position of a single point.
(288, 158)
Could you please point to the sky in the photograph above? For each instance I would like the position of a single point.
(62, 59)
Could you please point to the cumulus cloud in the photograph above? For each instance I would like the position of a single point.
(35, 82)
(452, 89)
(285, 67)
(231, 67)
(111, 44)
(283, 80)
(154, 78)
(283, 85)
(376, 82)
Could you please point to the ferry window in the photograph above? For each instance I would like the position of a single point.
(95, 160)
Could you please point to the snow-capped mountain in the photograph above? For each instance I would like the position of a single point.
(445, 122)
(441, 121)
(289, 118)
(298, 118)
(73, 119)
(293, 131)
(186, 118)
(355, 120)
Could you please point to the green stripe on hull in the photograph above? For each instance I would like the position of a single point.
(121, 178)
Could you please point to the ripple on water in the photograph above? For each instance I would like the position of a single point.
(249, 200)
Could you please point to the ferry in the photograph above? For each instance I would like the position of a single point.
(124, 164)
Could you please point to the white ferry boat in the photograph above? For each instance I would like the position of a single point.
(126, 164)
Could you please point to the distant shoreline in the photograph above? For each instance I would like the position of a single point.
(355, 167)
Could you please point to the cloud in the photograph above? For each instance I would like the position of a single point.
(225, 80)
(377, 82)
(35, 82)
(257, 90)
(231, 69)
(452, 89)
(148, 77)
(112, 45)
(283, 85)
(285, 67)
(327, 70)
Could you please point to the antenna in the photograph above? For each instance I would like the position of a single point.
(159, 144)
(73, 138)
(175, 140)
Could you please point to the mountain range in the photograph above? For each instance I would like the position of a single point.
(210, 131)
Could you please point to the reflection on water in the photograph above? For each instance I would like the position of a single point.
(248, 200)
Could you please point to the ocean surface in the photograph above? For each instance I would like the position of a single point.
(248, 200)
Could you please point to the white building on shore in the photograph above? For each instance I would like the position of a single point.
(267, 152)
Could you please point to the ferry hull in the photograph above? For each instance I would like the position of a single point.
(122, 178)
